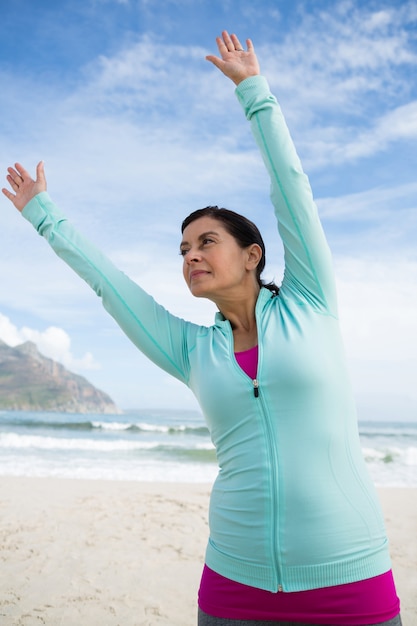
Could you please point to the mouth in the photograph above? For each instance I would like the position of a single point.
(197, 273)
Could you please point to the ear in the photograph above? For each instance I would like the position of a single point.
(254, 255)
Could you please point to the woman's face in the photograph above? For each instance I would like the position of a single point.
(215, 266)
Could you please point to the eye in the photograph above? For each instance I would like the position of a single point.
(183, 251)
(207, 240)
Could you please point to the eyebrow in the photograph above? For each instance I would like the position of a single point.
(200, 237)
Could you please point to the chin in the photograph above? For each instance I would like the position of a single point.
(198, 294)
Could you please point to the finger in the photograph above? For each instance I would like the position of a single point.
(228, 41)
(14, 178)
(215, 60)
(40, 172)
(237, 45)
(221, 46)
(14, 181)
(22, 172)
(8, 194)
(250, 46)
(13, 173)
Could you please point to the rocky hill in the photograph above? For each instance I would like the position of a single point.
(31, 382)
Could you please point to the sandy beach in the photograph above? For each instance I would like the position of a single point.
(97, 553)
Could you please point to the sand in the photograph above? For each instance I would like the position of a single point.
(96, 553)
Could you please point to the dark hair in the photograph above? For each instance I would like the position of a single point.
(241, 228)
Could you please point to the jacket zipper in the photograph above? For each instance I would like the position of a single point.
(275, 524)
(255, 383)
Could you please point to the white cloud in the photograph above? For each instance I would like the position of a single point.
(145, 76)
(378, 304)
(399, 124)
(8, 332)
(342, 66)
(374, 204)
(53, 342)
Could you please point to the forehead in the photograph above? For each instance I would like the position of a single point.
(203, 225)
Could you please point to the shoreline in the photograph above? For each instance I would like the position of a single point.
(93, 552)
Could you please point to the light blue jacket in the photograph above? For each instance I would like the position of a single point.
(292, 507)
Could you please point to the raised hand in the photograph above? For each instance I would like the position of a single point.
(235, 62)
(24, 187)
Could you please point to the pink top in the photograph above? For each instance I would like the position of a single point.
(368, 601)
(248, 361)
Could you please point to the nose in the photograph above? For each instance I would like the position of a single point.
(192, 256)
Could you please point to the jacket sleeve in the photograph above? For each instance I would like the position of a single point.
(308, 265)
(157, 333)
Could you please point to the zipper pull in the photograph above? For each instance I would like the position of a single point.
(255, 388)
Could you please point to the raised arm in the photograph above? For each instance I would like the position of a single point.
(308, 276)
(157, 333)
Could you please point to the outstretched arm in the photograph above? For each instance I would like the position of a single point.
(235, 62)
(158, 334)
(308, 269)
(24, 187)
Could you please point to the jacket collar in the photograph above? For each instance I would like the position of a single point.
(264, 296)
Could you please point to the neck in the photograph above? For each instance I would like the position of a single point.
(241, 314)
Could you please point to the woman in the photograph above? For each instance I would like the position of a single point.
(296, 531)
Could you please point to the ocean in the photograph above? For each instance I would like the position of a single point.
(162, 445)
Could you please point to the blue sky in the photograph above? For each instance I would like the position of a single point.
(137, 130)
